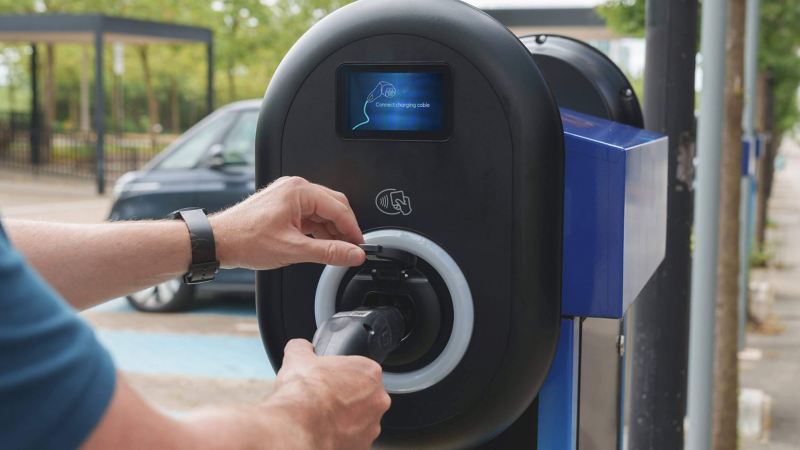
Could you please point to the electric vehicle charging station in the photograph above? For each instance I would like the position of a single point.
(505, 237)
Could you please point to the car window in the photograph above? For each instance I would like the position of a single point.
(239, 146)
(191, 151)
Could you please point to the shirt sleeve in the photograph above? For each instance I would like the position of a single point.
(56, 380)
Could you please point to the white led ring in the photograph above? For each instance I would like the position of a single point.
(463, 314)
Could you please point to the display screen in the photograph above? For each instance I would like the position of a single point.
(411, 102)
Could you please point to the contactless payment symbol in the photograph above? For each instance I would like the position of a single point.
(393, 201)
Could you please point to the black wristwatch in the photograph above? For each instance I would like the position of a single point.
(204, 265)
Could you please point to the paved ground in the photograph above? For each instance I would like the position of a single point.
(777, 372)
(212, 355)
(50, 198)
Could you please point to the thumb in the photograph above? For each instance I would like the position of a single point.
(297, 350)
(334, 252)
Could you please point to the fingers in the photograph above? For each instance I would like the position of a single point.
(318, 230)
(332, 207)
(333, 252)
(335, 194)
(327, 226)
(385, 401)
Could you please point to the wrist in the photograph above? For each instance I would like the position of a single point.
(222, 241)
(296, 418)
(185, 254)
(219, 429)
(248, 426)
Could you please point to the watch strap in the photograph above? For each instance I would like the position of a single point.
(205, 265)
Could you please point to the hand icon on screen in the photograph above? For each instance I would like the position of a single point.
(382, 89)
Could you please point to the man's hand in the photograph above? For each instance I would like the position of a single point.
(339, 399)
(270, 228)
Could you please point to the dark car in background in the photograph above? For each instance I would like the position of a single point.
(211, 166)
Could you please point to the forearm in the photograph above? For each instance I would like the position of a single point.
(130, 423)
(274, 424)
(88, 264)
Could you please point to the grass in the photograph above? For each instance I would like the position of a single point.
(762, 258)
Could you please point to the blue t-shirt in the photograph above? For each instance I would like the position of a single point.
(56, 380)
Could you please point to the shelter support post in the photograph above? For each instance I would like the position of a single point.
(36, 129)
(210, 75)
(99, 112)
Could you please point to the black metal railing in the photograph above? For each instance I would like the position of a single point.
(72, 153)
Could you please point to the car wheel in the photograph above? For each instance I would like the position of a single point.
(169, 296)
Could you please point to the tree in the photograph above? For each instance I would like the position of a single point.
(14, 74)
(780, 66)
(726, 364)
(765, 167)
(152, 103)
(49, 107)
(624, 16)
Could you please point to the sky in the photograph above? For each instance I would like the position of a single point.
(501, 4)
(631, 49)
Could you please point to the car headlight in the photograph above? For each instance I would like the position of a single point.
(122, 183)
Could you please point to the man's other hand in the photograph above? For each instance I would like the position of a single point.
(271, 228)
(320, 403)
(339, 399)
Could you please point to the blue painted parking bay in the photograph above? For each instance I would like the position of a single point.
(121, 305)
(185, 354)
(197, 355)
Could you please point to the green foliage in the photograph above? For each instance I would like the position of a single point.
(637, 83)
(250, 39)
(624, 16)
(15, 75)
(765, 257)
(772, 224)
(778, 52)
(779, 46)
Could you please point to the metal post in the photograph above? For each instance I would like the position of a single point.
(748, 125)
(99, 111)
(744, 253)
(84, 89)
(210, 76)
(750, 66)
(35, 136)
(660, 316)
(706, 224)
